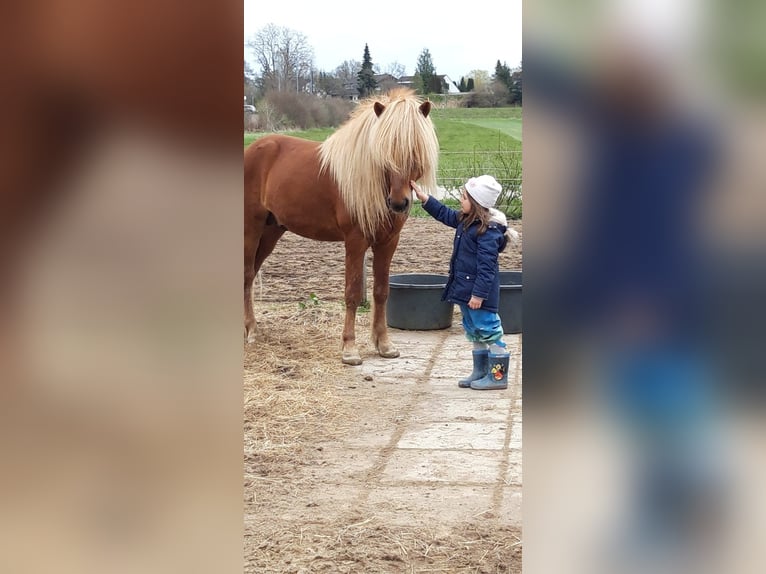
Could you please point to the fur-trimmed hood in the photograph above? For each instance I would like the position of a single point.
(498, 216)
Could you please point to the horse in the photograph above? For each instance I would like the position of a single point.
(353, 187)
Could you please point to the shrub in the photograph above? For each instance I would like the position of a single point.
(339, 109)
(290, 110)
(293, 113)
(505, 165)
(486, 99)
(267, 118)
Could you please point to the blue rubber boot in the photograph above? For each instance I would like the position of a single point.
(480, 364)
(497, 373)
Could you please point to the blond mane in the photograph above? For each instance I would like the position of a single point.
(366, 147)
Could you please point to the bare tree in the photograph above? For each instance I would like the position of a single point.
(481, 79)
(348, 70)
(328, 84)
(396, 69)
(284, 57)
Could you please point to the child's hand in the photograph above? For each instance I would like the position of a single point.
(423, 197)
(475, 302)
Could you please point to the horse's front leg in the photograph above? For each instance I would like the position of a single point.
(355, 248)
(381, 265)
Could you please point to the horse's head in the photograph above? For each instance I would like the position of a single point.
(373, 156)
(398, 191)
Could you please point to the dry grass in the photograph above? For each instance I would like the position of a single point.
(293, 377)
(298, 398)
(370, 545)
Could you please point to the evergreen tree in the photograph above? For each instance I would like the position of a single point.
(516, 86)
(425, 75)
(417, 84)
(470, 85)
(365, 79)
(503, 74)
(463, 86)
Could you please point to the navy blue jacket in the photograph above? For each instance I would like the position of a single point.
(474, 268)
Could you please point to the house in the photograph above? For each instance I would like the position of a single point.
(385, 82)
(447, 86)
(349, 91)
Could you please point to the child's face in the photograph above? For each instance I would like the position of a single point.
(465, 202)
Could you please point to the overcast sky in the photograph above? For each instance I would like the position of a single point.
(461, 37)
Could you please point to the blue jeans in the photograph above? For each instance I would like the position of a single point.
(481, 326)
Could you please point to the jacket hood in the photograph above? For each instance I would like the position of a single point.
(499, 217)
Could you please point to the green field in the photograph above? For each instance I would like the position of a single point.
(511, 127)
(472, 141)
(455, 128)
(476, 113)
(316, 134)
(487, 135)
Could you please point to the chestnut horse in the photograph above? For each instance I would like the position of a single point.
(354, 187)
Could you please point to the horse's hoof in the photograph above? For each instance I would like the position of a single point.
(390, 353)
(352, 359)
(386, 350)
(250, 338)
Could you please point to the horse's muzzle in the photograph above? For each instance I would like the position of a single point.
(398, 207)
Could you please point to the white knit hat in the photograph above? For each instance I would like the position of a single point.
(484, 189)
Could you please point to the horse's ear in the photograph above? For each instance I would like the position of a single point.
(425, 108)
(378, 107)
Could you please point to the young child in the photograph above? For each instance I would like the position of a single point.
(481, 233)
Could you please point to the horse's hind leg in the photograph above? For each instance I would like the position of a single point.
(268, 239)
(253, 232)
(381, 265)
(271, 234)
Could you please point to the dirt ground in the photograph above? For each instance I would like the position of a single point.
(301, 403)
(299, 267)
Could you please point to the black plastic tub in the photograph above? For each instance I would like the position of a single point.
(414, 302)
(510, 301)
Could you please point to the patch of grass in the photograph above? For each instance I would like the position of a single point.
(458, 129)
(312, 301)
(314, 134)
(418, 211)
(467, 136)
(417, 208)
(511, 127)
(475, 113)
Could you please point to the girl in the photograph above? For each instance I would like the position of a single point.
(481, 233)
